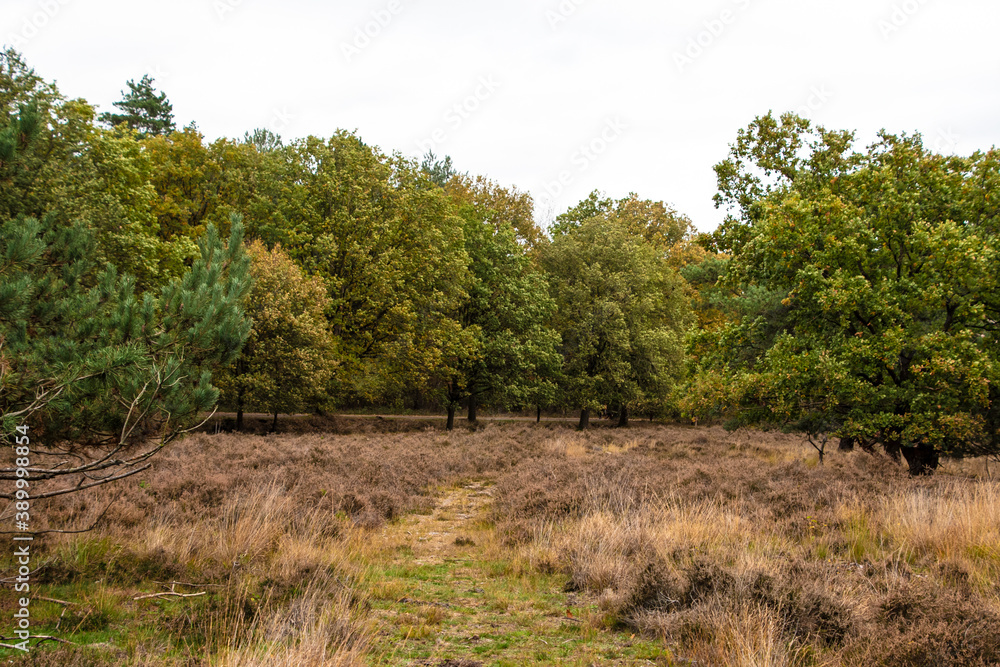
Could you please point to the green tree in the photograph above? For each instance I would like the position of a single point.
(656, 222)
(54, 161)
(100, 377)
(263, 139)
(389, 247)
(287, 360)
(874, 278)
(440, 171)
(511, 352)
(500, 206)
(143, 109)
(622, 314)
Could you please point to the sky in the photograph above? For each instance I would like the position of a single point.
(555, 97)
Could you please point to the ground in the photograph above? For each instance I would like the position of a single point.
(457, 606)
(392, 542)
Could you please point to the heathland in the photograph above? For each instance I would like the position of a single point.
(394, 542)
(843, 319)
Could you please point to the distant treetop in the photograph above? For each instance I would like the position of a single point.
(143, 109)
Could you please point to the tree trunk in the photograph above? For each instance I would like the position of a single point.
(892, 447)
(451, 417)
(274, 424)
(584, 419)
(623, 417)
(473, 409)
(538, 419)
(923, 459)
(846, 444)
(239, 411)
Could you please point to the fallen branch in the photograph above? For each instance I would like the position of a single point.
(170, 593)
(42, 638)
(184, 583)
(39, 597)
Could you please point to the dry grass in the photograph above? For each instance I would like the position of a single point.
(742, 552)
(733, 549)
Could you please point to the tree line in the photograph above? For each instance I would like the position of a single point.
(148, 276)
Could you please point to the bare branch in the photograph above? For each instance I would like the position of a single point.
(74, 489)
(71, 532)
(170, 594)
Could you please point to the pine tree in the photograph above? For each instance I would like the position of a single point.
(98, 376)
(143, 110)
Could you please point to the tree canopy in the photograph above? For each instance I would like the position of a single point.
(851, 292)
(880, 274)
(288, 357)
(622, 312)
(99, 375)
(143, 110)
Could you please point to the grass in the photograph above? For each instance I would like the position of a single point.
(520, 544)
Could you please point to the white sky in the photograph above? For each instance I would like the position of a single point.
(560, 75)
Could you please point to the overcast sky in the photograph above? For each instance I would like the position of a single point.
(557, 98)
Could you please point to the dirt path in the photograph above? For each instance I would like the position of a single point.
(449, 597)
(445, 534)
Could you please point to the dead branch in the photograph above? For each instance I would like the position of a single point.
(170, 594)
(68, 532)
(42, 638)
(45, 599)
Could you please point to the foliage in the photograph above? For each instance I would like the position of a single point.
(287, 360)
(55, 161)
(658, 223)
(501, 206)
(98, 375)
(876, 280)
(440, 171)
(387, 244)
(622, 314)
(511, 358)
(143, 110)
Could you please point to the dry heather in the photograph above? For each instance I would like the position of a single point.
(733, 549)
(740, 551)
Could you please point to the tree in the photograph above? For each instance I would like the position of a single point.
(389, 247)
(54, 161)
(656, 222)
(263, 139)
(287, 360)
(45, 168)
(878, 272)
(439, 171)
(143, 110)
(102, 379)
(622, 314)
(499, 206)
(511, 351)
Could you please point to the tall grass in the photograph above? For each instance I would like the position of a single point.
(733, 551)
